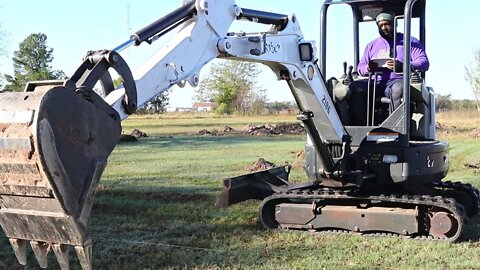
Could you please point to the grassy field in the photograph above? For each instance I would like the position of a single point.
(155, 210)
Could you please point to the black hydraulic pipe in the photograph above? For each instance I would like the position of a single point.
(257, 16)
(164, 24)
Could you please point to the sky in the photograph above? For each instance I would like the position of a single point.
(74, 27)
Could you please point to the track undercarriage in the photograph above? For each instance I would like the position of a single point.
(439, 214)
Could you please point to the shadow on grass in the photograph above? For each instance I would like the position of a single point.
(178, 228)
(218, 141)
(472, 230)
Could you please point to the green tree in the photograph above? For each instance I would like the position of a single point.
(443, 103)
(31, 62)
(3, 38)
(232, 85)
(472, 75)
(279, 106)
(159, 103)
(3, 52)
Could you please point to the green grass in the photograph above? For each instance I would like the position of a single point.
(155, 208)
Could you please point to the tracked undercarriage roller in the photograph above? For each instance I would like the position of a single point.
(54, 145)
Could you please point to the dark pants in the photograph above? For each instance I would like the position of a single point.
(394, 91)
(358, 97)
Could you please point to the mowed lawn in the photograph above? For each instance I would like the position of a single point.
(155, 205)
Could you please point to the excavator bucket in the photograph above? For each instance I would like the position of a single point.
(257, 185)
(54, 145)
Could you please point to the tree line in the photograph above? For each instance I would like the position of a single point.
(231, 85)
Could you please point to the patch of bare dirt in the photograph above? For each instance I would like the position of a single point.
(475, 166)
(260, 165)
(104, 187)
(299, 161)
(440, 126)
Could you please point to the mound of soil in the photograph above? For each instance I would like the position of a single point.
(260, 165)
(475, 133)
(204, 132)
(227, 129)
(274, 129)
(138, 133)
(248, 127)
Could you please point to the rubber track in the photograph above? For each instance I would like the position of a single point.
(425, 201)
(459, 186)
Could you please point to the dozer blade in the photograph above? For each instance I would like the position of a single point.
(54, 145)
(257, 185)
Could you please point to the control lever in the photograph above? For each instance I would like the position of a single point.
(348, 76)
(344, 70)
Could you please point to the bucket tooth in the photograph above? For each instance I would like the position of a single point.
(40, 249)
(84, 254)
(20, 249)
(61, 252)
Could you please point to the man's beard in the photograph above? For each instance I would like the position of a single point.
(388, 36)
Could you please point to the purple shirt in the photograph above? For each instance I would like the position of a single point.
(380, 48)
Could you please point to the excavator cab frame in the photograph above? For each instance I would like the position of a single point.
(400, 121)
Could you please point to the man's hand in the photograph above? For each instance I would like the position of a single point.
(372, 66)
(395, 65)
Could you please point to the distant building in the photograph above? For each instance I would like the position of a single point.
(204, 106)
(180, 109)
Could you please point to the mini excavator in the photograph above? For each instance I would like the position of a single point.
(382, 178)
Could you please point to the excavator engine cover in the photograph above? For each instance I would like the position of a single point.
(54, 144)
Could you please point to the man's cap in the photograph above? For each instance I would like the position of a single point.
(384, 16)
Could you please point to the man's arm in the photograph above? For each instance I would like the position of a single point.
(419, 57)
(362, 67)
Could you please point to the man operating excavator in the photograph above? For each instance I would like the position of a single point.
(378, 60)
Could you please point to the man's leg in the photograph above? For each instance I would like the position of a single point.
(394, 91)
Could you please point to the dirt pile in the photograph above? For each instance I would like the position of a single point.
(133, 136)
(260, 165)
(475, 133)
(263, 130)
(215, 132)
(274, 129)
(138, 133)
(204, 132)
(227, 129)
